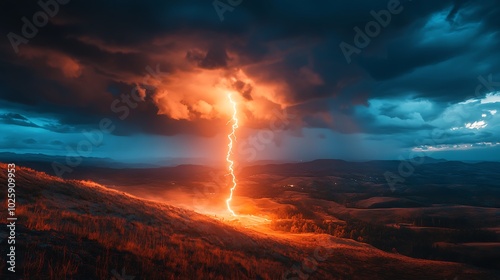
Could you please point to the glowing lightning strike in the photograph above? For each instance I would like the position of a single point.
(231, 136)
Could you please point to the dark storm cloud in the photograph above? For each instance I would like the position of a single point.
(244, 89)
(13, 116)
(216, 57)
(16, 119)
(91, 52)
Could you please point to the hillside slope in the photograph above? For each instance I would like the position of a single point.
(69, 229)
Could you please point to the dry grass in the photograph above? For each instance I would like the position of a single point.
(152, 234)
(81, 230)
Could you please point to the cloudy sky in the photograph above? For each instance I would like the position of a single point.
(356, 80)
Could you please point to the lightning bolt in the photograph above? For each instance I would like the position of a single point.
(232, 137)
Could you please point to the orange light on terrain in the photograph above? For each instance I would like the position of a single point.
(232, 138)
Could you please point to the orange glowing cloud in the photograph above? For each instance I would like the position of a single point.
(202, 94)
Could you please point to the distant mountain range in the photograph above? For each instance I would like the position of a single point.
(184, 170)
(40, 159)
(108, 162)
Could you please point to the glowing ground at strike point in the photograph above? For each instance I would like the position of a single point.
(231, 136)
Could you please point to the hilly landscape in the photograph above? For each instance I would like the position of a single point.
(239, 139)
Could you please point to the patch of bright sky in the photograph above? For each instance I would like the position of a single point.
(491, 98)
(476, 125)
(451, 147)
(471, 124)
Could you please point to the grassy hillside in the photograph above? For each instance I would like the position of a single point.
(70, 229)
